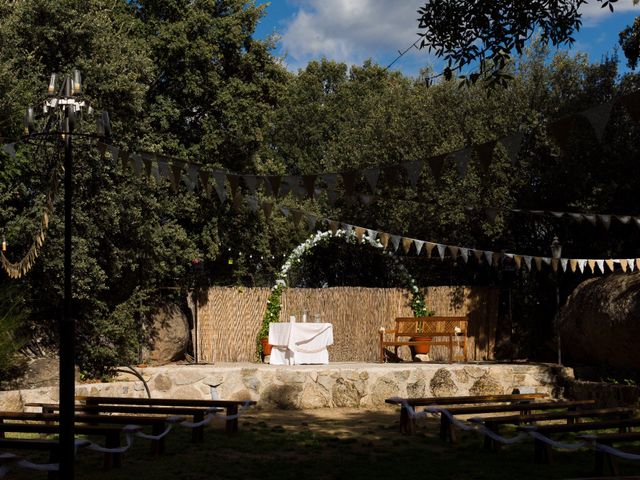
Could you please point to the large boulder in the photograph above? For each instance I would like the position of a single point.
(168, 336)
(600, 325)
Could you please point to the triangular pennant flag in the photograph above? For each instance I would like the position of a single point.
(478, 254)
(441, 250)
(220, 185)
(598, 116)
(419, 244)
(274, 183)
(193, 171)
(148, 160)
(176, 171)
(406, 244)
(267, 208)
(366, 199)
(413, 169)
(600, 264)
(395, 241)
(624, 219)
(554, 264)
(297, 217)
(204, 181)
(546, 260)
(605, 220)
(497, 258)
(311, 221)
(637, 220)
(632, 104)
(372, 234)
(464, 253)
(557, 214)
(491, 214)
(576, 216)
(624, 264)
(332, 196)
(563, 263)
(590, 218)
(334, 225)
(253, 203)
(581, 264)
(114, 152)
(461, 159)
(485, 154)
(285, 211)
(573, 263)
(610, 264)
(349, 182)
(251, 181)
(592, 265)
(436, 164)
(163, 168)
(9, 149)
(234, 181)
(309, 182)
(331, 180)
(384, 239)
(299, 191)
(512, 145)
(632, 264)
(488, 255)
(538, 262)
(359, 231)
(517, 259)
(371, 175)
(430, 247)
(454, 251)
(155, 172)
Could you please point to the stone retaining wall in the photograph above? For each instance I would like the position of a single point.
(315, 386)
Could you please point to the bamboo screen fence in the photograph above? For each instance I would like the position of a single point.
(229, 318)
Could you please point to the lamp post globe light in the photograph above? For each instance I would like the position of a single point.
(556, 253)
(62, 112)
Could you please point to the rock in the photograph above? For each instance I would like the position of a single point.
(314, 396)
(40, 372)
(486, 385)
(599, 324)
(161, 383)
(417, 389)
(11, 401)
(442, 385)
(168, 335)
(281, 396)
(383, 388)
(345, 394)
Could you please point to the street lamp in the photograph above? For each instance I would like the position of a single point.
(64, 109)
(556, 253)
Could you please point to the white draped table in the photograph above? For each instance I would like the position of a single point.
(297, 343)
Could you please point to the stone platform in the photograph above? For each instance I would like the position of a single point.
(363, 385)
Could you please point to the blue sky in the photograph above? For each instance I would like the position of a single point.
(352, 31)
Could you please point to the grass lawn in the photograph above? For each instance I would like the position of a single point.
(329, 444)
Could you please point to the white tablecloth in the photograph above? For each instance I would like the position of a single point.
(298, 343)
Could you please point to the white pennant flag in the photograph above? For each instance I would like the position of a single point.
(637, 220)
(441, 250)
(590, 218)
(605, 220)
(632, 263)
(598, 116)
(347, 229)
(464, 253)
(488, 256)
(600, 264)
(395, 241)
(546, 260)
(563, 264)
(372, 234)
(419, 244)
(557, 214)
(623, 218)
(527, 261)
(581, 264)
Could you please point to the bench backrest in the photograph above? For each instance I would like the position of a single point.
(430, 326)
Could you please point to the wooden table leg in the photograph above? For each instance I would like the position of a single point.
(231, 425)
(197, 432)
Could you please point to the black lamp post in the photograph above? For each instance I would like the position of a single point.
(65, 109)
(556, 253)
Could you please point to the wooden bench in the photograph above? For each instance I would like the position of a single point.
(111, 433)
(447, 430)
(606, 460)
(197, 413)
(231, 406)
(442, 331)
(407, 421)
(494, 423)
(51, 446)
(543, 453)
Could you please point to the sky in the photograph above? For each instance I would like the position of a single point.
(353, 31)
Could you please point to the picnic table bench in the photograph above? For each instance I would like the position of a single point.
(197, 413)
(51, 446)
(407, 421)
(571, 418)
(605, 459)
(231, 406)
(435, 331)
(543, 453)
(111, 433)
(447, 430)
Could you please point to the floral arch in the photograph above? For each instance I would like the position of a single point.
(296, 256)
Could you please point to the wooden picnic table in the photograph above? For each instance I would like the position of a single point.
(51, 446)
(606, 460)
(407, 422)
(231, 406)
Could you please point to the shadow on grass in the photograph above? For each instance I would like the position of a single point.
(328, 444)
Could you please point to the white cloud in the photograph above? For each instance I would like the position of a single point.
(593, 13)
(349, 30)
